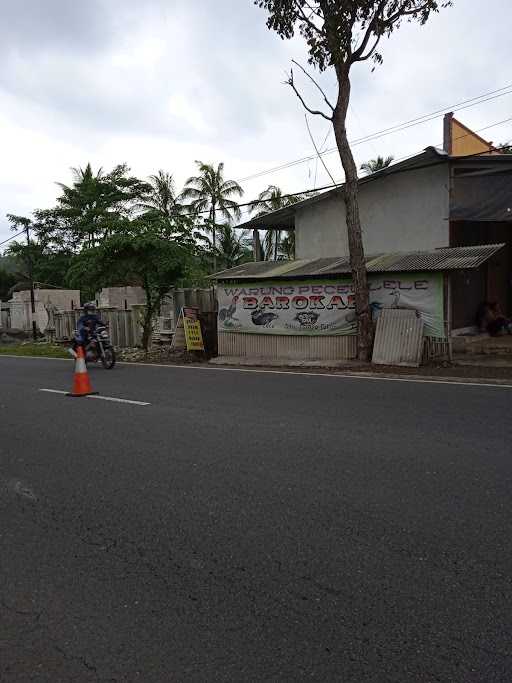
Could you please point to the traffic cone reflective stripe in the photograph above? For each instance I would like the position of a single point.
(80, 366)
(81, 382)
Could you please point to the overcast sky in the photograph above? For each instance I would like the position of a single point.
(160, 83)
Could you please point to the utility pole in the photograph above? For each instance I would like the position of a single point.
(31, 280)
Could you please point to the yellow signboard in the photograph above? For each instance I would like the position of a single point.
(193, 335)
(188, 335)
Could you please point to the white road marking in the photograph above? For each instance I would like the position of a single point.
(355, 375)
(101, 398)
(13, 355)
(120, 400)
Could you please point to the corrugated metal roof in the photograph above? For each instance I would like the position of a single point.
(450, 258)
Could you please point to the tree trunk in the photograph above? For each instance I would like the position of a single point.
(147, 324)
(276, 245)
(147, 329)
(214, 227)
(353, 222)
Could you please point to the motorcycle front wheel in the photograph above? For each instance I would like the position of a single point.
(108, 359)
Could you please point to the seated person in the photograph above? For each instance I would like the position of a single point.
(491, 319)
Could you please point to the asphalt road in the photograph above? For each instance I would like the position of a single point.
(253, 527)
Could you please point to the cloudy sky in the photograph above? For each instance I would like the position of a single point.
(160, 83)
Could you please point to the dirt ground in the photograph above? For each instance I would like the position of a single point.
(478, 369)
(466, 367)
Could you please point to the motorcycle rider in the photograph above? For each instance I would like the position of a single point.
(87, 323)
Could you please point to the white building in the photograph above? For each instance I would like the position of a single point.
(432, 201)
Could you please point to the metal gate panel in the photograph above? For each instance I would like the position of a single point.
(398, 339)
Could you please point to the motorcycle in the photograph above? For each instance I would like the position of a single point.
(99, 348)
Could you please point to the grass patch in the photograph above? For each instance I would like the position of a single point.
(51, 350)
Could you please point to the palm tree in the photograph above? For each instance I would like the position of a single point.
(232, 248)
(288, 245)
(161, 206)
(377, 164)
(210, 193)
(269, 200)
(162, 197)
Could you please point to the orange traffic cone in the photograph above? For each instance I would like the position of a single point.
(81, 382)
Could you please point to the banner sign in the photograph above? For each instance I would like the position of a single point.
(326, 307)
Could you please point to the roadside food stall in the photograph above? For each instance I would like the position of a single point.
(304, 310)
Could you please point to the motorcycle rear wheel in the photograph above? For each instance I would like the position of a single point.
(108, 359)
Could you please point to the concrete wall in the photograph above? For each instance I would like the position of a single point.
(402, 212)
(120, 297)
(21, 309)
(63, 299)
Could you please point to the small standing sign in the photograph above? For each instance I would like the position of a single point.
(192, 326)
(179, 342)
(188, 333)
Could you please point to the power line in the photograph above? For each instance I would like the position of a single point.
(317, 150)
(460, 106)
(12, 238)
(353, 143)
(397, 129)
(389, 171)
(329, 131)
(459, 137)
(374, 136)
(284, 196)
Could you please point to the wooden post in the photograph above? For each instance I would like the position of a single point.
(448, 314)
(31, 278)
(256, 245)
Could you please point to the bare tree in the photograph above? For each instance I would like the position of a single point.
(340, 33)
